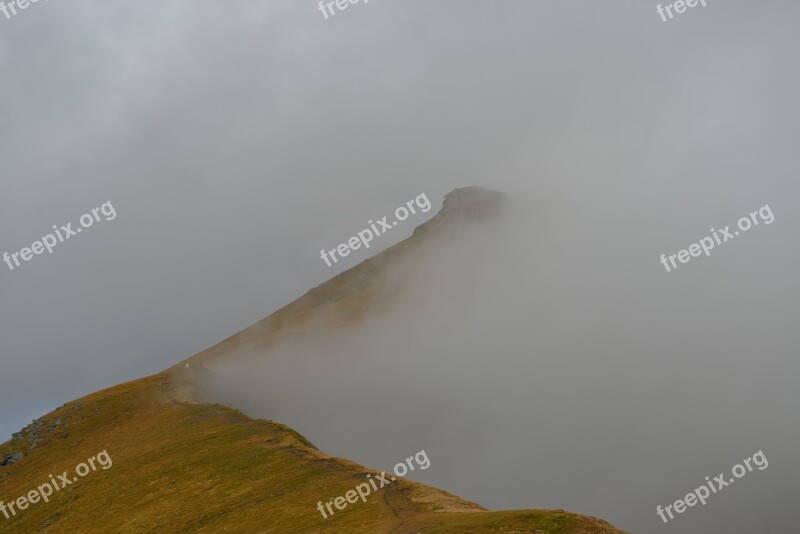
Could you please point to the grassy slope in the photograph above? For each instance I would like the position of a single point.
(182, 465)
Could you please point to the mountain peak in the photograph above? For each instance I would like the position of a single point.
(465, 204)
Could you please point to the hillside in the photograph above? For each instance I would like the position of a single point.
(182, 462)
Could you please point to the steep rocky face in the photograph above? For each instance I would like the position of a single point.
(465, 204)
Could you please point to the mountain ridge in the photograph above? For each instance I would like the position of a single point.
(171, 443)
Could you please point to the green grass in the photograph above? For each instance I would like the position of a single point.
(182, 467)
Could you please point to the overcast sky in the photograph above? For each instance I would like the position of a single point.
(237, 140)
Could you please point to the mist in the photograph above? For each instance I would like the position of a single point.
(547, 360)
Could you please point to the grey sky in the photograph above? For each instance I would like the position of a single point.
(236, 141)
